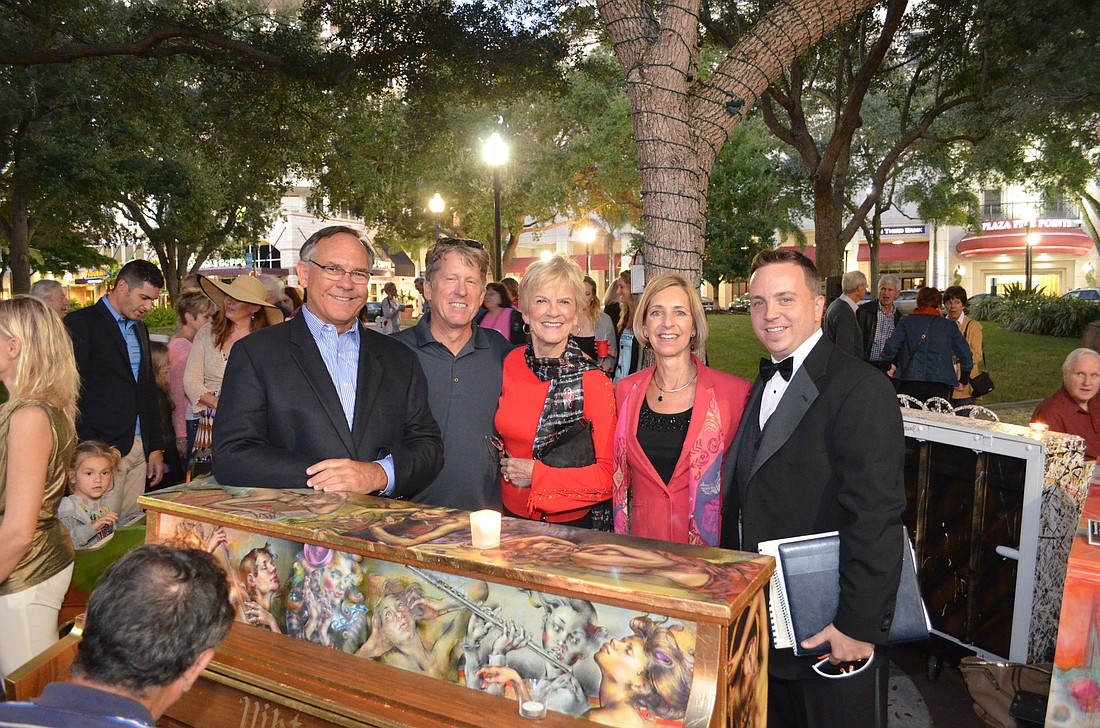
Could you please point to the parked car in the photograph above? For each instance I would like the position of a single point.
(906, 302)
(1085, 294)
(740, 304)
(708, 304)
(979, 297)
(372, 310)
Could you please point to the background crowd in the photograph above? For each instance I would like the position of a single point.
(532, 399)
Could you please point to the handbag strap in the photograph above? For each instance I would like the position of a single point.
(985, 359)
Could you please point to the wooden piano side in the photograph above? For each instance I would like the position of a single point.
(260, 679)
(51, 666)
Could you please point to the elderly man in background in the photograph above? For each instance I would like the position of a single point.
(1073, 408)
(877, 320)
(52, 293)
(153, 623)
(463, 363)
(273, 294)
(839, 323)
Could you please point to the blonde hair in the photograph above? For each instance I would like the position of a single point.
(158, 357)
(95, 448)
(698, 315)
(629, 306)
(555, 270)
(592, 310)
(47, 366)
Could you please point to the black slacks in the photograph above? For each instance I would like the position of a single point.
(851, 702)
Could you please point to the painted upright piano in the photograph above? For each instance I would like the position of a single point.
(355, 610)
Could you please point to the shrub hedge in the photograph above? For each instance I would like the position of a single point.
(1038, 314)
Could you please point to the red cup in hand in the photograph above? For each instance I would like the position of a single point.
(601, 348)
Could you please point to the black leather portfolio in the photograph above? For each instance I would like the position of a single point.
(805, 592)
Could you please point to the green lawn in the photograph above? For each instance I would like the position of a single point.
(1024, 366)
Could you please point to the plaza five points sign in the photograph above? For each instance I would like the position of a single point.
(1043, 222)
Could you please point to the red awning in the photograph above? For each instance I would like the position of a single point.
(597, 262)
(889, 252)
(1061, 241)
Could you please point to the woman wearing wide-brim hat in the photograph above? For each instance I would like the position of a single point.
(242, 309)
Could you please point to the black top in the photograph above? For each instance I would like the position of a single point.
(662, 438)
(587, 344)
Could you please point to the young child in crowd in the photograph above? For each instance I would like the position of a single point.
(84, 513)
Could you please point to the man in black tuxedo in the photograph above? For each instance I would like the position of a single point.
(322, 401)
(820, 448)
(118, 392)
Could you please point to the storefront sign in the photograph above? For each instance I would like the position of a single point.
(1045, 222)
(903, 230)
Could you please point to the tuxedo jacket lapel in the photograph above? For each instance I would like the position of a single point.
(744, 427)
(800, 394)
(307, 356)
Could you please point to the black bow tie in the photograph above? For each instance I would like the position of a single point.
(768, 368)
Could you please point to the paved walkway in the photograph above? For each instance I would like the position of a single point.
(1015, 413)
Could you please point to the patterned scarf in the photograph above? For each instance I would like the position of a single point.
(565, 399)
(705, 458)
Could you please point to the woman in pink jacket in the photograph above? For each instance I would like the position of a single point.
(676, 421)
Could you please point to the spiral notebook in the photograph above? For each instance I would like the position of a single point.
(805, 592)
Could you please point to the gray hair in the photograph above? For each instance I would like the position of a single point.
(852, 280)
(890, 278)
(43, 288)
(273, 286)
(1074, 355)
(152, 615)
(306, 252)
(471, 251)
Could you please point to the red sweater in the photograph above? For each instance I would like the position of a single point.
(1062, 414)
(556, 494)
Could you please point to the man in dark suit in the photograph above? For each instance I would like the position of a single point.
(819, 448)
(118, 392)
(322, 401)
(840, 318)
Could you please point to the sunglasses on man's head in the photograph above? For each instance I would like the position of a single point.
(460, 241)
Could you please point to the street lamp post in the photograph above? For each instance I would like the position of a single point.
(436, 205)
(1030, 240)
(587, 235)
(495, 154)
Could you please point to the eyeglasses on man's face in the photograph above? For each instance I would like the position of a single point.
(336, 273)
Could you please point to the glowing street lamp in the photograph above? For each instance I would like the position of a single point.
(587, 235)
(495, 154)
(436, 205)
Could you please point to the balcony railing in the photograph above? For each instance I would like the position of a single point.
(1062, 209)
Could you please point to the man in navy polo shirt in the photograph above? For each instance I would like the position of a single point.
(153, 623)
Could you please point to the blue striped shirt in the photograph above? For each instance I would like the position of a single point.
(340, 353)
(128, 327)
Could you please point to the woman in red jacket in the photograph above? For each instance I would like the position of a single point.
(676, 421)
(549, 386)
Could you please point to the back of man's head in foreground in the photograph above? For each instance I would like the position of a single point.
(154, 612)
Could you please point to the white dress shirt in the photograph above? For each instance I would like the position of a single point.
(776, 387)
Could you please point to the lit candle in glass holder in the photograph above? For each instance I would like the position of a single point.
(485, 529)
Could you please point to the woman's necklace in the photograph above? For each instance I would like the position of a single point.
(661, 396)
